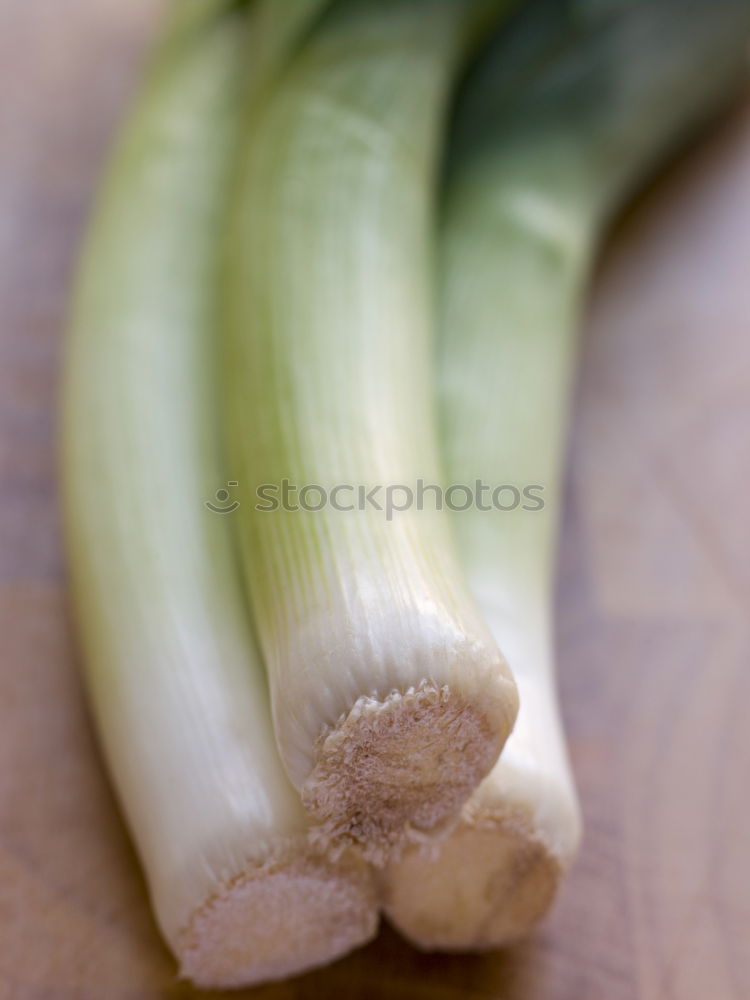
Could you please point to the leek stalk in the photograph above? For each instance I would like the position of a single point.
(574, 103)
(390, 700)
(175, 683)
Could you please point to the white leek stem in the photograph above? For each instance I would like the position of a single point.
(175, 683)
(543, 166)
(390, 699)
(512, 268)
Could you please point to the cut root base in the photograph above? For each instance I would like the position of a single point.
(398, 769)
(276, 921)
(482, 887)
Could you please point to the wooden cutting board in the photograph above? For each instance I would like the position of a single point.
(654, 588)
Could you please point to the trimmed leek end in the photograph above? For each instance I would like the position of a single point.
(508, 881)
(292, 913)
(495, 874)
(395, 769)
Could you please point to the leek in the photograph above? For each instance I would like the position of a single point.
(390, 700)
(573, 104)
(175, 683)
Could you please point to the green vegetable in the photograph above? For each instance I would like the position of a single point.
(390, 700)
(175, 683)
(573, 104)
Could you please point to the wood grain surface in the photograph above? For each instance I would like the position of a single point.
(653, 590)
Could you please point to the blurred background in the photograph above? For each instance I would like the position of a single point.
(653, 588)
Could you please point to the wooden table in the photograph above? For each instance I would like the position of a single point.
(653, 591)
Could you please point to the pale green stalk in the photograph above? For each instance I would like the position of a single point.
(175, 684)
(390, 699)
(538, 166)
